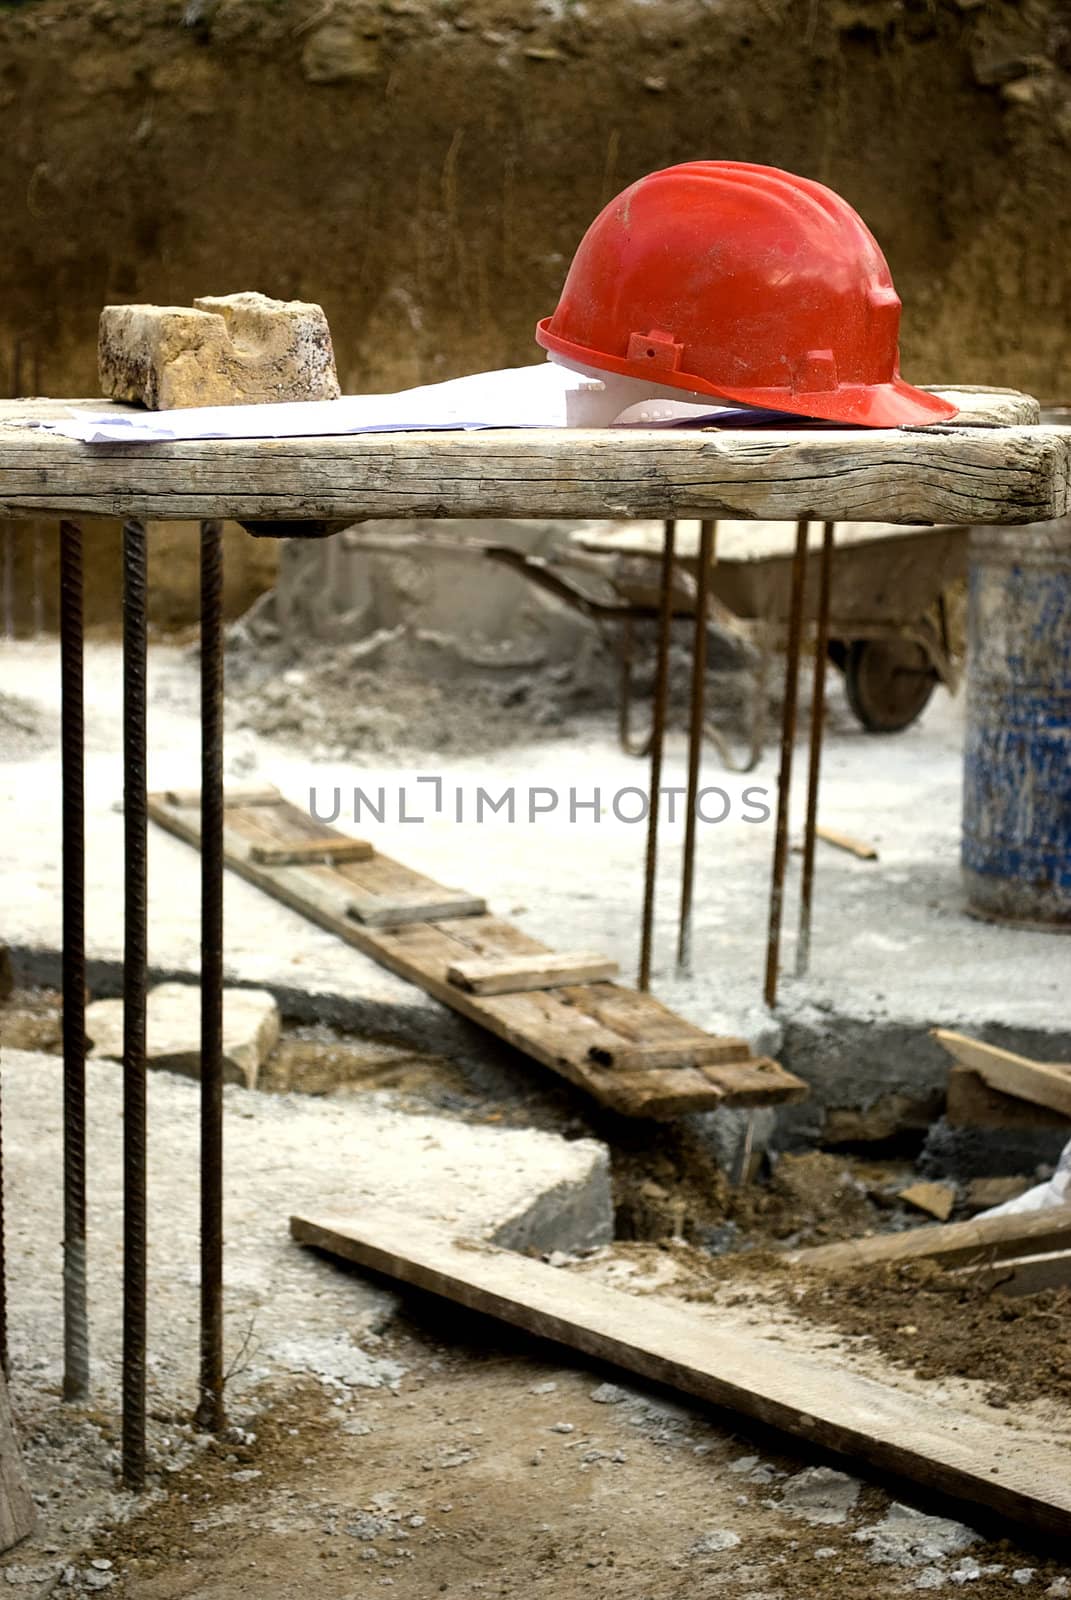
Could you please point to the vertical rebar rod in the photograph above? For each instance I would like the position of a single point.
(135, 958)
(5, 1366)
(658, 732)
(72, 743)
(695, 740)
(210, 1411)
(784, 778)
(8, 581)
(818, 716)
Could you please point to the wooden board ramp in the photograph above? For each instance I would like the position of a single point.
(626, 1049)
(979, 1460)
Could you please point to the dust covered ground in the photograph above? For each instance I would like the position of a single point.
(472, 1460)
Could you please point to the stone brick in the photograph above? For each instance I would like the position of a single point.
(224, 350)
(173, 1030)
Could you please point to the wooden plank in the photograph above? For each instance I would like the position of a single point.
(233, 795)
(983, 1239)
(556, 1027)
(684, 1051)
(844, 841)
(510, 974)
(1023, 1275)
(950, 473)
(384, 911)
(331, 849)
(980, 1460)
(18, 1514)
(1044, 1084)
(972, 1103)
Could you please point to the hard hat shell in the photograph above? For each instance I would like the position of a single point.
(746, 283)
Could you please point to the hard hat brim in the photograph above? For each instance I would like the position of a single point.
(881, 405)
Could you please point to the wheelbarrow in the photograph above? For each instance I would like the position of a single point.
(888, 630)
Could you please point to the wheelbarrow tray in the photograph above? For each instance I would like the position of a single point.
(885, 576)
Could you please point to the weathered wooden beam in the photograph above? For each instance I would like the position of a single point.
(982, 1240)
(954, 473)
(979, 1460)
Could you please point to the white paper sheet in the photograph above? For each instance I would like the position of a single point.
(542, 396)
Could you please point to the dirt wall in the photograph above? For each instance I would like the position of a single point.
(424, 168)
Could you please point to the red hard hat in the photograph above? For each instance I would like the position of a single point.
(746, 283)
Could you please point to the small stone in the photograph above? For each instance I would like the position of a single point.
(338, 53)
(417, 1522)
(713, 1543)
(562, 1427)
(982, 1193)
(357, 1426)
(365, 1526)
(935, 1199)
(173, 1028)
(908, 1538)
(607, 1394)
(1059, 1589)
(820, 1495)
(931, 1578)
(1023, 1575)
(543, 1388)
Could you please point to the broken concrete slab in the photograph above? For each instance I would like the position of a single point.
(224, 350)
(821, 1495)
(173, 1030)
(521, 1188)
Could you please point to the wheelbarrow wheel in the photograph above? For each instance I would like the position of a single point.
(888, 682)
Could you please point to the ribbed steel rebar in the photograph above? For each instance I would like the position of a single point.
(135, 958)
(658, 734)
(72, 740)
(784, 779)
(695, 740)
(210, 1411)
(818, 714)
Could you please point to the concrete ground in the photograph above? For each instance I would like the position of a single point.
(288, 1311)
(893, 951)
(385, 1442)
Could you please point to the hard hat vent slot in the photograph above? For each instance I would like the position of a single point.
(815, 373)
(657, 347)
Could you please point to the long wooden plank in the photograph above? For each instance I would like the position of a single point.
(1044, 1083)
(560, 1028)
(511, 974)
(983, 1239)
(981, 1462)
(949, 473)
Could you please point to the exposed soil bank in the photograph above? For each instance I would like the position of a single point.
(424, 170)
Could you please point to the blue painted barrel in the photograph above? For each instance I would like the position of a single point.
(1017, 767)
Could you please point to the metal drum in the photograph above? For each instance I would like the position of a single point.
(1017, 766)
